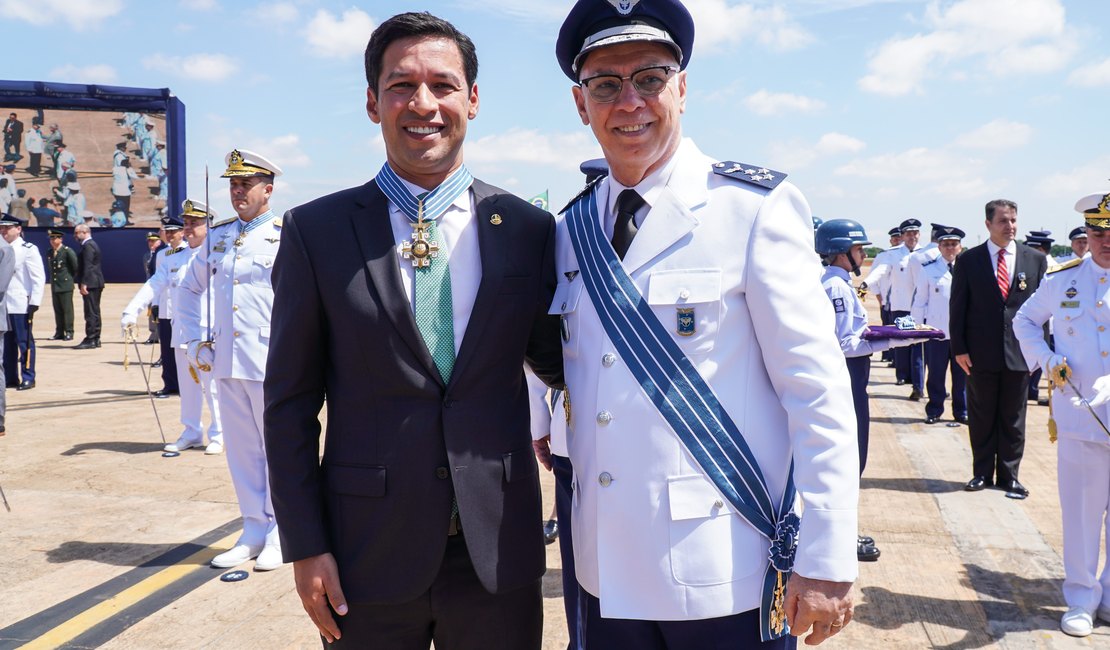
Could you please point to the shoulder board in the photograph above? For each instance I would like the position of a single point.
(277, 222)
(750, 174)
(932, 261)
(1065, 266)
(28, 244)
(224, 222)
(585, 190)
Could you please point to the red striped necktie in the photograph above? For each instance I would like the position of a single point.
(1003, 275)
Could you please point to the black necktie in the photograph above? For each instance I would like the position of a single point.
(950, 267)
(624, 229)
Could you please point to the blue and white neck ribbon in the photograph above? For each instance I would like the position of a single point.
(688, 404)
(435, 203)
(257, 222)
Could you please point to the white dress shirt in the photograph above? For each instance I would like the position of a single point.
(1011, 256)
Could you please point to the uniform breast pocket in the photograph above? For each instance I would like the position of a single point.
(688, 304)
(261, 268)
(702, 525)
(565, 306)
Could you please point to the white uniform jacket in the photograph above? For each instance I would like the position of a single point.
(930, 298)
(166, 283)
(29, 280)
(242, 296)
(1078, 298)
(545, 419)
(850, 314)
(653, 538)
(901, 286)
(878, 279)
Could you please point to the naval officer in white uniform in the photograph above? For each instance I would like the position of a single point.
(1076, 296)
(662, 552)
(239, 260)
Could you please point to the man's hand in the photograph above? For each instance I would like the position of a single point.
(84, 290)
(126, 323)
(201, 353)
(542, 447)
(824, 606)
(965, 362)
(31, 309)
(317, 581)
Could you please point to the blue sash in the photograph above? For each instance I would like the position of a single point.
(687, 403)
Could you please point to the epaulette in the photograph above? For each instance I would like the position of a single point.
(932, 261)
(277, 222)
(28, 244)
(224, 222)
(1070, 264)
(584, 192)
(758, 176)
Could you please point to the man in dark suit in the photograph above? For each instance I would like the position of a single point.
(13, 137)
(412, 303)
(990, 282)
(90, 279)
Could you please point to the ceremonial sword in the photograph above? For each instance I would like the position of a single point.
(5, 498)
(146, 380)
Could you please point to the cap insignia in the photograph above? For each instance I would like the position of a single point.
(236, 158)
(624, 7)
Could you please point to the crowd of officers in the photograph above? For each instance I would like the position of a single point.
(1054, 314)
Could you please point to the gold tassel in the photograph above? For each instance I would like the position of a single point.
(1051, 420)
(777, 615)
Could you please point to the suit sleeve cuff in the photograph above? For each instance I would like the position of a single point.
(827, 545)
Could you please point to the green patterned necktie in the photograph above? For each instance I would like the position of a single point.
(434, 315)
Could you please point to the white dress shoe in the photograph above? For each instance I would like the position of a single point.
(214, 448)
(236, 556)
(1076, 622)
(1104, 613)
(269, 559)
(182, 444)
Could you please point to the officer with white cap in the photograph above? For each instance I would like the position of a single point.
(660, 301)
(1076, 295)
(930, 307)
(878, 280)
(1079, 242)
(195, 388)
(237, 261)
(908, 365)
(23, 297)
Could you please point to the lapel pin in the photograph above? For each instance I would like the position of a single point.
(495, 220)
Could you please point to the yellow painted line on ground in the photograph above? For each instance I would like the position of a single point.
(103, 611)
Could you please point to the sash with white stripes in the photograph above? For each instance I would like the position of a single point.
(688, 404)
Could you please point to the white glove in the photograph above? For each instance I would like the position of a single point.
(202, 354)
(126, 322)
(1102, 391)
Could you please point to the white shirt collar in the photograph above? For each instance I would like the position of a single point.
(460, 203)
(1011, 249)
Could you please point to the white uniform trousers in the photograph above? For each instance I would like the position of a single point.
(241, 411)
(193, 396)
(1083, 471)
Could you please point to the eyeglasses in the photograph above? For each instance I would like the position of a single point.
(648, 82)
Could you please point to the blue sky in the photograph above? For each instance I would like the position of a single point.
(879, 110)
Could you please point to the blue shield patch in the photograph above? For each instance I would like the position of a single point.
(687, 321)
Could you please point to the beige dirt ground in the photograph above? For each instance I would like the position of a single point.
(92, 498)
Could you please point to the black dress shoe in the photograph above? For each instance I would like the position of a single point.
(85, 345)
(900, 382)
(96, 342)
(932, 420)
(962, 419)
(68, 337)
(1015, 490)
(163, 394)
(151, 340)
(156, 364)
(27, 385)
(867, 552)
(915, 395)
(977, 483)
(550, 531)
(58, 337)
(865, 539)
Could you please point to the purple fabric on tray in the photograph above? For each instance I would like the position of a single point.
(874, 332)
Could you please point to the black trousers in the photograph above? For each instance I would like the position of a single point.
(63, 312)
(34, 167)
(92, 313)
(859, 371)
(996, 422)
(169, 360)
(457, 613)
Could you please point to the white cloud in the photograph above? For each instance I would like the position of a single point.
(79, 14)
(795, 154)
(201, 67)
(563, 151)
(284, 150)
(279, 12)
(97, 73)
(199, 5)
(1091, 75)
(1069, 185)
(763, 102)
(997, 134)
(339, 37)
(547, 12)
(718, 23)
(999, 37)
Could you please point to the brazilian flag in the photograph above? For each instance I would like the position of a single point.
(540, 200)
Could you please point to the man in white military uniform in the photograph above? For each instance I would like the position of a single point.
(238, 261)
(930, 307)
(878, 281)
(1077, 296)
(195, 388)
(22, 300)
(690, 362)
(907, 367)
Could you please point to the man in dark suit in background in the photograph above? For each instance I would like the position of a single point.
(13, 137)
(90, 279)
(990, 282)
(421, 523)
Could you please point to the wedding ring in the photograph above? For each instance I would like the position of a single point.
(837, 624)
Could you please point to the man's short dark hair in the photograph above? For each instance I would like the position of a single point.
(999, 203)
(412, 24)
